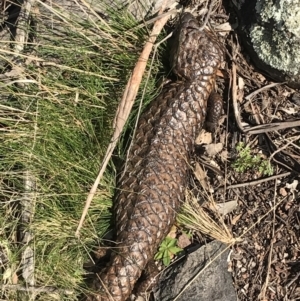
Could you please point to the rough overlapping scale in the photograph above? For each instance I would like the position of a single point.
(152, 188)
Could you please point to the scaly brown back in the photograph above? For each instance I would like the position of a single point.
(153, 185)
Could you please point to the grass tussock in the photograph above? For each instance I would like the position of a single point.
(56, 118)
(202, 220)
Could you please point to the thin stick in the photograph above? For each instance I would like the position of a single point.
(251, 95)
(262, 295)
(283, 147)
(270, 127)
(234, 98)
(124, 109)
(256, 182)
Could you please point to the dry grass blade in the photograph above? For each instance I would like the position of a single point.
(196, 218)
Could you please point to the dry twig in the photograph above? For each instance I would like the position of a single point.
(257, 182)
(234, 98)
(270, 127)
(262, 295)
(251, 95)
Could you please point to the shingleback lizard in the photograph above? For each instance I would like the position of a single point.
(153, 185)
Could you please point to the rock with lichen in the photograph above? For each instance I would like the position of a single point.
(271, 31)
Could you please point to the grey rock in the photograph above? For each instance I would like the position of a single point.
(214, 283)
(271, 31)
